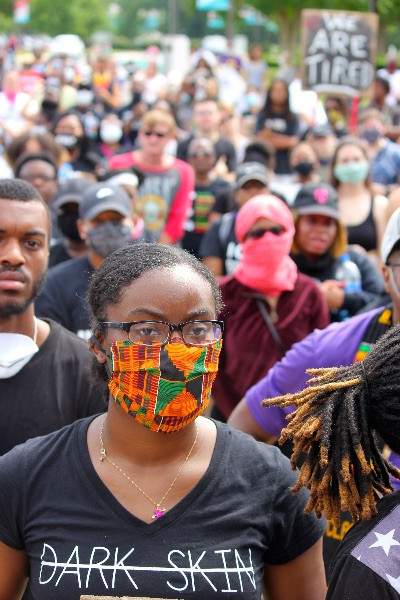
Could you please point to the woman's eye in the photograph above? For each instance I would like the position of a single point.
(147, 331)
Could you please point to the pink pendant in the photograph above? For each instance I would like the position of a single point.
(158, 513)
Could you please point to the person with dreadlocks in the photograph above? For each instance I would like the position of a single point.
(336, 345)
(337, 421)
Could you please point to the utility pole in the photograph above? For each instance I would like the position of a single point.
(230, 23)
(173, 16)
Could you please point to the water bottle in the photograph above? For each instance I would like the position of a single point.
(348, 272)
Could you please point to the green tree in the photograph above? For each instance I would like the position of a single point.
(287, 13)
(82, 17)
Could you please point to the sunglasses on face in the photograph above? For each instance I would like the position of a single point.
(199, 153)
(157, 133)
(256, 234)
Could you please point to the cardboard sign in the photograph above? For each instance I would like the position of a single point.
(338, 51)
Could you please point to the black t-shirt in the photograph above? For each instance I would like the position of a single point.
(278, 123)
(220, 242)
(52, 390)
(367, 563)
(58, 254)
(197, 223)
(63, 297)
(222, 147)
(212, 544)
(225, 201)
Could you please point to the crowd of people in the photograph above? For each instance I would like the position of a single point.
(172, 250)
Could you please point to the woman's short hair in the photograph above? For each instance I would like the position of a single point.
(157, 117)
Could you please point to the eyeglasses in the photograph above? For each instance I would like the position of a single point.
(197, 154)
(150, 333)
(43, 178)
(256, 234)
(159, 134)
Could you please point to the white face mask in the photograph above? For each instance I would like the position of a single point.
(84, 97)
(16, 350)
(110, 133)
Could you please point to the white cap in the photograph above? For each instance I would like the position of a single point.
(391, 236)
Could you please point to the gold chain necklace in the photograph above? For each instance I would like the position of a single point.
(158, 510)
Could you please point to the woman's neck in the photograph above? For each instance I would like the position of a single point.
(154, 160)
(125, 438)
(352, 189)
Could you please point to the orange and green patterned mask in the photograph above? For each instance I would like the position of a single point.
(163, 387)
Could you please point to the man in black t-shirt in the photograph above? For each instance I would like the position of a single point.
(201, 156)
(43, 368)
(206, 119)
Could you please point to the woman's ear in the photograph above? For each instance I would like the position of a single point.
(96, 342)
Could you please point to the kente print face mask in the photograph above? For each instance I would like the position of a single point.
(163, 387)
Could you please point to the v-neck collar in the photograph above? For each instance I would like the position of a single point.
(176, 512)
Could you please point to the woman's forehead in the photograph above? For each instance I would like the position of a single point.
(177, 290)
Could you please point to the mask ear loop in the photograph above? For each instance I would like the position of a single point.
(96, 342)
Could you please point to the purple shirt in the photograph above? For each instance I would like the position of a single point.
(334, 346)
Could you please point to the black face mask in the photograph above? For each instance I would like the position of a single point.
(304, 168)
(67, 224)
(49, 104)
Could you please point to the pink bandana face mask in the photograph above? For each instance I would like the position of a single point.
(265, 265)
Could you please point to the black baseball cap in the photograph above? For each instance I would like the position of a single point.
(317, 199)
(100, 197)
(71, 190)
(251, 171)
(322, 131)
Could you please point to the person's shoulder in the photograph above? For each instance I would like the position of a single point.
(305, 282)
(120, 161)
(361, 260)
(31, 452)
(224, 143)
(59, 333)
(334, 334)
(68, 267)
(182, 166)
(229, 282)
(246, 447)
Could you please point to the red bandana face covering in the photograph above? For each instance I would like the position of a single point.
(163, 387)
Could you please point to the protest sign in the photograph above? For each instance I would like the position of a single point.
(338, 51)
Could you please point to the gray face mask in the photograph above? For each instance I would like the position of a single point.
(108, 237)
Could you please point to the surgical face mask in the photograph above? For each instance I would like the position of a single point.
(108, 237)
(68, 140)
(110, 133)
(164, 388)
(66, 222)
(84, 97)
(352, 172)
(253, 99)
(16, 350)
(371, 135)
(304, 168)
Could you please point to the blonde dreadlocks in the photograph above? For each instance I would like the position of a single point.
(335, 422)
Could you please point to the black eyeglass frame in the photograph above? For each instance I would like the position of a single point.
(125, 326)
(160, 135)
